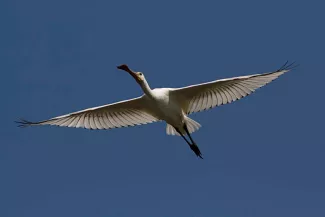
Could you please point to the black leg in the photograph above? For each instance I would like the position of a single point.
(188, 133)
(193, 146)
(183, 137)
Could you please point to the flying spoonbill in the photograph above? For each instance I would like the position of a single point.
(172, 105)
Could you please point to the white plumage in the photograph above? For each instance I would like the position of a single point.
(169, 104)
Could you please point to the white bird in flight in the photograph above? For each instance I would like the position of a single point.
(172, 105)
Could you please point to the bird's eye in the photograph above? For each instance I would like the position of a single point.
(140, 73)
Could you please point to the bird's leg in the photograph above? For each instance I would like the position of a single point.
(183, 137)
(193, 146)
(188, 133)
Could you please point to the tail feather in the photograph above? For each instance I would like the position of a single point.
(170, 130)
(191, 124)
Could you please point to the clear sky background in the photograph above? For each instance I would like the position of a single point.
(264, 155)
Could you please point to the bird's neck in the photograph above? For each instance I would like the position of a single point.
(146, 88)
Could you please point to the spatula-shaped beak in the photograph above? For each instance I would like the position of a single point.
(127, 69)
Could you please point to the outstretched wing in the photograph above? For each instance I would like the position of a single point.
(121, 114)
(196, 98)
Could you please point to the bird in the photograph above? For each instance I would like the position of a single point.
(172, 105)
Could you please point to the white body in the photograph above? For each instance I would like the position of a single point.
(164, 106)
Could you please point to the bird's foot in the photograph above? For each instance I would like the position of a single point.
(196, 150)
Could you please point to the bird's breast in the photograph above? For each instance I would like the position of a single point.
(166, 108)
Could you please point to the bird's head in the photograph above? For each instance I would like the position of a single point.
(138, 76)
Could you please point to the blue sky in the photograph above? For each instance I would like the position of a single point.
(264, 155)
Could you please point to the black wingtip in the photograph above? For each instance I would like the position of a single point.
(22, 123)
(287, 66)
